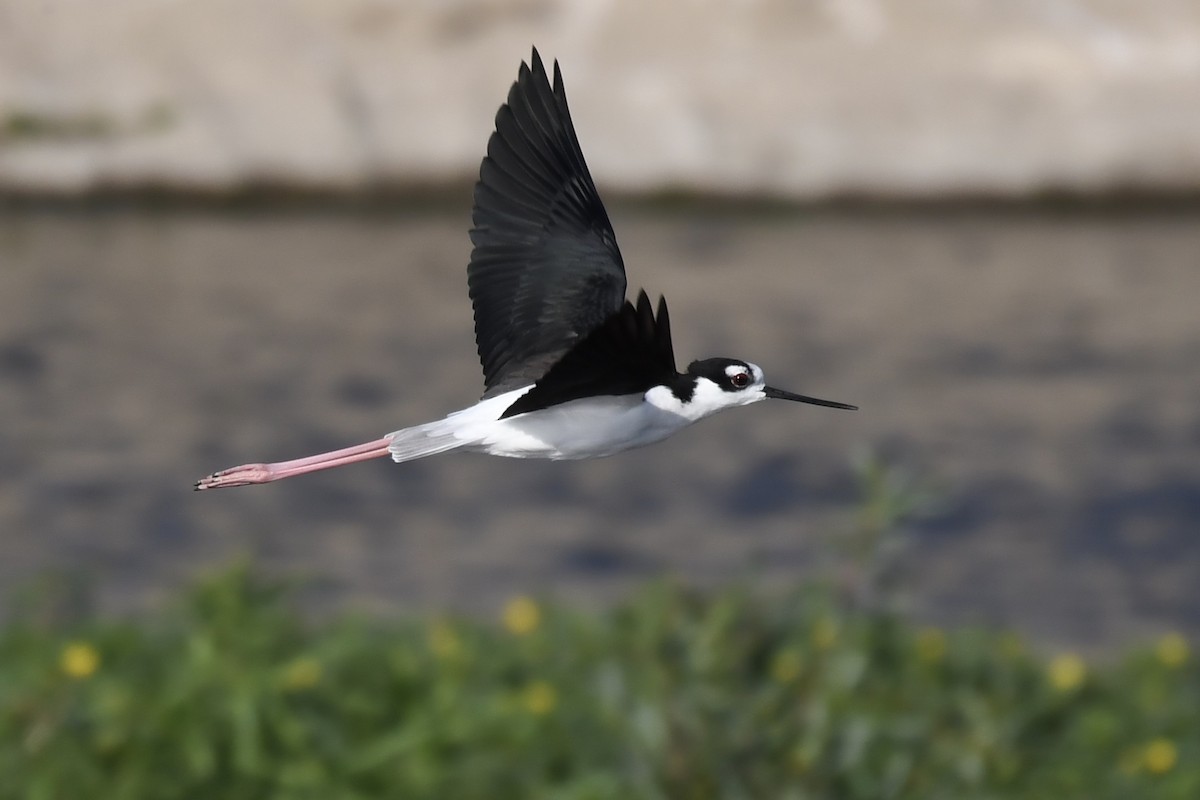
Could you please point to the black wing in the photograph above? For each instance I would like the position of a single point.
(545, 270)
(628, 354)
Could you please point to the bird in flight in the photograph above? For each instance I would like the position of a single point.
(571, 369)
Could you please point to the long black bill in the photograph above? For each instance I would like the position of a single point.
(780, 394)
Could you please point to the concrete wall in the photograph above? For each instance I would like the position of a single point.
(794, 98)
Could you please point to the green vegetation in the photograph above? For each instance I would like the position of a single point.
(25, 125)
(234, 694)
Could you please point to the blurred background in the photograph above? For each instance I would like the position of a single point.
(237, 232)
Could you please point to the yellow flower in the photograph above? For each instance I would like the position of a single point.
(79, 660)
(1160, 756)
(444, 641)
(824, 634)
(1011, 645)
(800, 760)
(1067, 672)
(786, 666)
(301, 674)
(1130, 761)
(931, 645)
(522, 616)
(539, 698)
(1172, 650)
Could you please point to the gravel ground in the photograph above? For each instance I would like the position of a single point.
(1035, 370)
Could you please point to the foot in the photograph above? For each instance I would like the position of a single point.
(236, 476)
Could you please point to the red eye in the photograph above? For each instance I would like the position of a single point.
(740, 380)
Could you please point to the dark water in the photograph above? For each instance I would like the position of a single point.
(1035, 375)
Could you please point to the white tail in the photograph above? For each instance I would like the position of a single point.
(419, 441)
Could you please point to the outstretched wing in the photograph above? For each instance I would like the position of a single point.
(545, 270)
(629, 353)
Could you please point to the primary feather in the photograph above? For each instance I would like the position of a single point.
(545, 270)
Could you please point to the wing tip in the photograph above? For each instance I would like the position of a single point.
(533, 161)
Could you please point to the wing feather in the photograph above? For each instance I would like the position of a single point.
(628, 354)
(545, 270)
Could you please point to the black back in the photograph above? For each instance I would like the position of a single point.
(630, 353)
(545, 270)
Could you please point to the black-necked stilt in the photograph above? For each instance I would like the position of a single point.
(571, 369)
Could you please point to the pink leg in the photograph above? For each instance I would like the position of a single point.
(263, 473)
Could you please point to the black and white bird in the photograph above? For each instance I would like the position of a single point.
(571, 369)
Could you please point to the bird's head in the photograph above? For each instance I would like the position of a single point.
(712, 384)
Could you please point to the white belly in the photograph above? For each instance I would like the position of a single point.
(590, 428)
